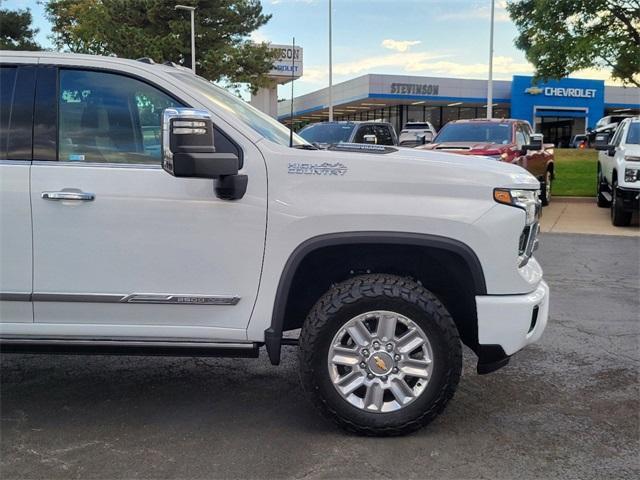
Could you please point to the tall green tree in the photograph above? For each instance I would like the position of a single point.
(562, 36)
(15, 30)
(154, 29)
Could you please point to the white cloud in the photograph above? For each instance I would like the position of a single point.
(479, 12)
(412, 63)
(399, 45)
(408, 61)
(277, 2)
(259, 37)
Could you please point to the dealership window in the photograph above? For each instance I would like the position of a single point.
(467, 112)
(416, 113)
(432, 114)
(449, 114)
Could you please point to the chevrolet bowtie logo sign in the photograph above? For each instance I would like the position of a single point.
(534, 90)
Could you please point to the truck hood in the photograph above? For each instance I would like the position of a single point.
(411, 166)
(473, 169)
(462, 147)
(632, 149)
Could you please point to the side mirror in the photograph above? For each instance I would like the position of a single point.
(423, 140)
(370, 138)
(532, 146)
(188, 151)
(537, 138)
(601, 141)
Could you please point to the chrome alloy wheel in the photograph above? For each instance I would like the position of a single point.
(380, 361)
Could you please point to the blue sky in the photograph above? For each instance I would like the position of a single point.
(443, 38)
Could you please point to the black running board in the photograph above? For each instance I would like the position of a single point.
(142, 348)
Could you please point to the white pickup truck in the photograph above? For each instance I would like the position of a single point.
(147, 211)
(619, 170)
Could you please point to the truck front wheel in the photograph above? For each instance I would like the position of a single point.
(603, 202)
(380, 355)
(619, 216)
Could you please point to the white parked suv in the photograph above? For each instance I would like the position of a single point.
(416, 133)
(619, 170)
(145, 210)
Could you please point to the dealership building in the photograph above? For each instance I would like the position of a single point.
(558, 109)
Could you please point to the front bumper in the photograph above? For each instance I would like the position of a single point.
(630, 198)
(508, 323)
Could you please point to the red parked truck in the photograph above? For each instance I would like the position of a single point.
(506, 140)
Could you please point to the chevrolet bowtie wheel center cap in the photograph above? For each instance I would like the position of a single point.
(380, 363)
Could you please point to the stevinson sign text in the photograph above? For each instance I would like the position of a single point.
(414, 88)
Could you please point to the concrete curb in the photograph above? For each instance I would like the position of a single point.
(573, 199)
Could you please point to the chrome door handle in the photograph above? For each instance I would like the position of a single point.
(69, 195)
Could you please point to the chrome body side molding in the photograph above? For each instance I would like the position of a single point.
(145, 298)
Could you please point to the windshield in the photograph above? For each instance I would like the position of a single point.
(633, 135)
(475, 132)
(327, 132)
(260, 122)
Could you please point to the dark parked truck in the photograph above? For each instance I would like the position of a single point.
(325, 134)
(506, 140)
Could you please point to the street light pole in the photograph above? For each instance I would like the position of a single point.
(330, 69)
(193, 33)
(490, 81)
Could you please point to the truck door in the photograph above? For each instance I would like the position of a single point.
(16, 123)
(121, 248)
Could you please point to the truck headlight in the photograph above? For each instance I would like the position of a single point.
(631, 174)
(525, 199)
(528, 201)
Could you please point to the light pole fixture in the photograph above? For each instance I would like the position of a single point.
(330, 68)
(490, 81)
(193, 33)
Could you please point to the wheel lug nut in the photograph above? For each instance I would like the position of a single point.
(363, 365)
(365, 353)
(385, 378)
(370, 376)
(397, 358)
(376, 345)
(389, 347)
(395, 370)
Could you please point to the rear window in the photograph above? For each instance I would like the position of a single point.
(416, 126)
(327, 132)
(633, 135)
(475, 132)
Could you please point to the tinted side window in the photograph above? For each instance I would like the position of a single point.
(16, 111)
(110, 118)
(362, 131)
(617, 136)
(7, 86)
(383, 133)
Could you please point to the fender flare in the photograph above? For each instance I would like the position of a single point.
(273, 334)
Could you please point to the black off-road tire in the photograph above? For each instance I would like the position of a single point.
(619, 216)
(602, 187)
(369, 293)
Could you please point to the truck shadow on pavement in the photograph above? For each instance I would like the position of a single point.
(108, 417)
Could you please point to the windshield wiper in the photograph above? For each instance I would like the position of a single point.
(304, 146)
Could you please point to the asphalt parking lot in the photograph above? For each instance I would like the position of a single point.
(567, 407)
